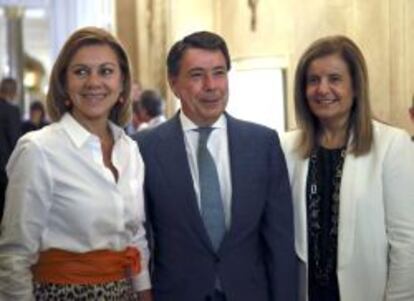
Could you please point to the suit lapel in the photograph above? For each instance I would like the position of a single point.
(236, 171)
(172, 157)
(240, 160)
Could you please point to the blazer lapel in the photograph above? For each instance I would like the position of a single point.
(351, 186)
(298, 180)
(172, 157)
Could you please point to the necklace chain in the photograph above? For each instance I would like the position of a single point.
(324, 266)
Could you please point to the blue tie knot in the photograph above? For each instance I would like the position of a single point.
(204, 134)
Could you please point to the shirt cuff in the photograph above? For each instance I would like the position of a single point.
(141, 281)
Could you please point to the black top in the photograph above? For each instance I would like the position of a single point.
(28, 126)
(323, 183)
(9, 130)
(9, 133)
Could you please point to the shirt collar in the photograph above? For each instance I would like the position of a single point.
(189, 125)
(79, 135)
(156, 120)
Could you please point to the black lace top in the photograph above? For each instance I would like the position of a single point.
(323, 185)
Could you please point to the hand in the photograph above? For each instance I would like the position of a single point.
(145, 295)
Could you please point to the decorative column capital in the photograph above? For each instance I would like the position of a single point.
(14, 12)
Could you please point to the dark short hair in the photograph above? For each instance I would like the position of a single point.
(37, 105)
(8, 86)
(151, 102)
(88, 36)
(202, 40)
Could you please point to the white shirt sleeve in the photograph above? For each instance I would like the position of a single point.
(141, 281)
(28, 202)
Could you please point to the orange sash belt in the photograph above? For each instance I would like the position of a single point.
(95, 267)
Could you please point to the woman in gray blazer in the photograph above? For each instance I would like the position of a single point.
(352, 181)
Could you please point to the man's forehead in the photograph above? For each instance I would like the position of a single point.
(201, 52)
(203, 58)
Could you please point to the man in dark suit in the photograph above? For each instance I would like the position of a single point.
(10, 124)
(217, 190)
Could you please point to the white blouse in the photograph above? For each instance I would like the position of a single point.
(60, 195)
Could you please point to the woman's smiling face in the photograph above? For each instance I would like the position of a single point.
(329, 89)
(93, 82)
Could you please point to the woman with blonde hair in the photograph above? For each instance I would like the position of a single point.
(352, 182)
(73, 224)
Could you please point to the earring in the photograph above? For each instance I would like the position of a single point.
(121, 100)
(68, 103)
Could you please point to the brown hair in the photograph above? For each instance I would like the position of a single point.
(360, 123)
(8, 87)
(57, 95)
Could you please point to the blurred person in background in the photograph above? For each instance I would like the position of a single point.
(37, 117)
(10, 124)
(152, 108)
(136, 122)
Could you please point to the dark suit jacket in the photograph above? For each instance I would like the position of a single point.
(9, 133)
(256, 260)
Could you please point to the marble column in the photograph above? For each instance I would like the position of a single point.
(15, 53)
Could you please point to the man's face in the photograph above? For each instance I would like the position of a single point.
(202, 85)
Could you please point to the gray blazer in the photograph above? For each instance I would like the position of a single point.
(256, 260)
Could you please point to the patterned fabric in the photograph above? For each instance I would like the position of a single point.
(324, 179)
(210, 196)
(114, 291)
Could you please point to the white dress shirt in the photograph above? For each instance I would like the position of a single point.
(155, 121)
(218, 147)
(61, 195)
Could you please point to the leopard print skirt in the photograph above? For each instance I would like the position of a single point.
(114, 291)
